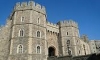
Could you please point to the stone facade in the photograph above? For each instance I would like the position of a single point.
(95, 46)
(29, 36)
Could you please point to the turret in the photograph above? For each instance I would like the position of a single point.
(69, 32)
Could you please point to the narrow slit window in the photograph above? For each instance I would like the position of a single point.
(22, 19)
(67, 33)
(38, 21)
(79, 51)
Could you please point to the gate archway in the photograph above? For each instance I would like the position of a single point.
(51, 51)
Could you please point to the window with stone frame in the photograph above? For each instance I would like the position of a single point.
(38, 50)
(21, 32)
(20, 49)
(22, 19)
(38, 20)
(38, 34)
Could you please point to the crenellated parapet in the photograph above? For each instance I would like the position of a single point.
(7, 25)
(68, 23)
(52, 27)
(52, 24)
(31, 5)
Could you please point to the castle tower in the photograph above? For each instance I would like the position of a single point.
(69, 35)
(28, 32)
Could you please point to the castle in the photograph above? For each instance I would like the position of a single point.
(29, 36)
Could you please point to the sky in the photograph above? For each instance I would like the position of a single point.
(85, 12)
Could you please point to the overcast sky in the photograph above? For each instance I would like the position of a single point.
(85, 12)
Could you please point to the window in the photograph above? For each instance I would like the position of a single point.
(69, 52)
(84, 49)
(38, 33)
(77, 41)
(67, 33)
(22, 19)
(84, 46)
(68, 44)
(79, 51)
(20, 49)
(21, 33)
(38, 21)
(38, 49)
(68, 41)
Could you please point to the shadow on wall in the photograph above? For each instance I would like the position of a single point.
(85, 57)
(94, 57)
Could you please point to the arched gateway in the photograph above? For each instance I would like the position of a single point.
(51, 51)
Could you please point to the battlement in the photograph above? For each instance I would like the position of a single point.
(8, 23)
(52, 24)
(31, 5)
(52, 27)
(68, 23)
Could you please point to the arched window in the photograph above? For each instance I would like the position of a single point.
(20, 49)
(38, 49)
(21, 33)
(38, 34)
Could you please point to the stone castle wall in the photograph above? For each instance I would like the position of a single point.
(52, 27)
(5, 41)
(52, 35)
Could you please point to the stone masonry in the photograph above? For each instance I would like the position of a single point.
(29, 36)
